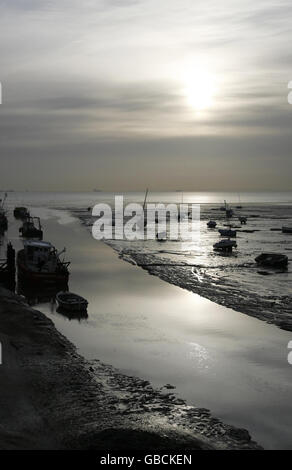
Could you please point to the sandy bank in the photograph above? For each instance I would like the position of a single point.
(51, 398)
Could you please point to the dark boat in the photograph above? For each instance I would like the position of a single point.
(29, 229)
(7, 269)
(20, 213)
(3, 218)
(272, 260)
(211, 224)
(40, 262)
(227, 232)
(3, 221)
(287, 229)
(71, 302)
(225, 245)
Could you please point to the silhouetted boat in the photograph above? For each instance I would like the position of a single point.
(211, 224)
(225, 245)
(29, 230)
(20, 212)
(3, 218)
(227, 232)
(71, 302)
(39, 261)
(273, 260)
(7, 268)
(287, 229)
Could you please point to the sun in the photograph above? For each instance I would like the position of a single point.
(199, 89)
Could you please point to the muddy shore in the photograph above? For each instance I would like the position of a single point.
(52, 398)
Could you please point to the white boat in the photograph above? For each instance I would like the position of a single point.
(161, 236)
(71, 302)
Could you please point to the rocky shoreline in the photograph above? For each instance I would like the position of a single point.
(52, 398)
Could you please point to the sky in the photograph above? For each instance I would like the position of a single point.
(165, 94)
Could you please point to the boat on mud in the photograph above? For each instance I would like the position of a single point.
(243, 220)
(225, 245)
(211, 224)
(3, 217)
(286, 229)
(3, 221)
(227, 232)
(39, 261)
(71, 302)
(7, 268)
(20, 212)
(272, 260)
(31, 228)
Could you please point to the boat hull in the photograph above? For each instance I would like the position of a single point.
(60, 276)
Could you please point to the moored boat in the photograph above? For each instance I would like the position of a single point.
(20, 212)
(39, 261)
(30, 230)
(211, 224)
(3, 218)
(3, 221)
(71, 302)
(225, 245)
(227, 232)
(273, 260)
(287, 229)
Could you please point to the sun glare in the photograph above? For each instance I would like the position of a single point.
(199, 89)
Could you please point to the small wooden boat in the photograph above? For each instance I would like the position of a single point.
(287, 229)
(71, 302)
(30, 230)
(211, 224)
(20, 212)
(272, 260)
(225, 245)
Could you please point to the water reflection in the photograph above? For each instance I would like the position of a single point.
(217, 358)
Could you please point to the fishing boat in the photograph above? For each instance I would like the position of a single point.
(242, 220)
(287, 229)
(3, 221)
(7, 268)
(39, 261)
(71, 302)
(225, 245)
(3, 217)
(29, 228)
(227, 232)
(272, 260)
(20, 212)
(211, 224)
